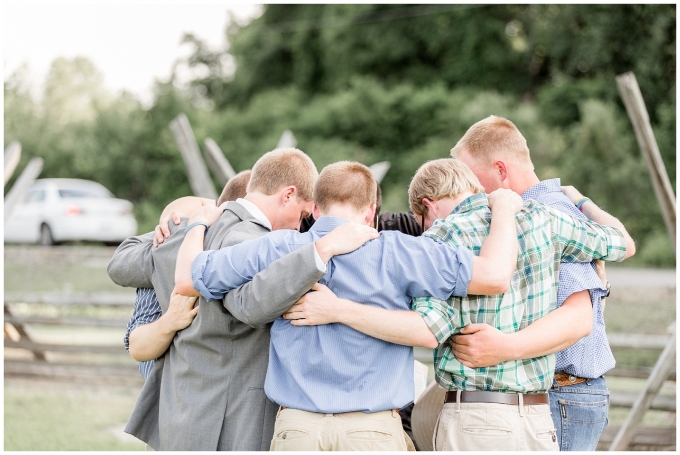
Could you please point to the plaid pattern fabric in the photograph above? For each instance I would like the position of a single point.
(546, 238)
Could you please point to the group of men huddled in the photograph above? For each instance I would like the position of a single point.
(302, 334)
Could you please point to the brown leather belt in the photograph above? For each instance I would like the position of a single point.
(563, 379)
(498, 397)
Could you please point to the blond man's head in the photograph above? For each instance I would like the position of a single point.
(281, 168)
(346, 183)
(492, 139)
(235, 187)
(440, 179)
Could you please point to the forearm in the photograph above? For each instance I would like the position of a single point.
(185, 206)
(150, 341)
(191, 247)
(403, 327)
(556, 331)
(596, 214)
(132, 263)
(492, 270)
(275, 289)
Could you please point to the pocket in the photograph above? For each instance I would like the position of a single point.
(369, 434)
(291, 439)
(487, 431)
(291, 435)
(583, 411)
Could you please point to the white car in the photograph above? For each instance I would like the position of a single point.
(56, 210)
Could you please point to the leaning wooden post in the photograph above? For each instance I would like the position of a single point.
(23, 183)
(635, 106)
(219, 165)
(199, 179)
(287, 140)
(659, 374)
(12, 157)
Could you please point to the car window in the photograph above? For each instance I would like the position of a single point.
(35, 196)
(70, 193)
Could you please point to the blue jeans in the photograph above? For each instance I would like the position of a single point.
(580, 413)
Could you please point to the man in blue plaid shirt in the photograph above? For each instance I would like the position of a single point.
(497, 153)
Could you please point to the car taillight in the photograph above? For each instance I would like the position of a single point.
(73, 209)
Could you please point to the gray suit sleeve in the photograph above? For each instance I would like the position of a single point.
(132, 263)
(275, 289)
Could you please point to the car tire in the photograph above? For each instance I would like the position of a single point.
(46, 238)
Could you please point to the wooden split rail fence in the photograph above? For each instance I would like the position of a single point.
(18, 336)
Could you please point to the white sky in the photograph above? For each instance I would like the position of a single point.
(131, 43)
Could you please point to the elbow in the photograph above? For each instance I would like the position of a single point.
(630, 248)
(586, 329)
(430, 342)
(137, 355)
(185, 287)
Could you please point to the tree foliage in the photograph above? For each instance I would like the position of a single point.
(381, 82)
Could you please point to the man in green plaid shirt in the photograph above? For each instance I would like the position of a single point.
(546, 238)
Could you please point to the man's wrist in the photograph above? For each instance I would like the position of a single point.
(323, 249)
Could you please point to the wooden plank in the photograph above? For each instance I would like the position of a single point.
(12, 157)
(23, 183)
(646, 398)
(217, 162)
(637, 112)
(287, 140)
(627, 400)
(643, 438)
(637, 341)
(76, 348)
(199, 179)
(88, 322)
(24, 333)
(72, 298)
(634, 372)
(128, 374)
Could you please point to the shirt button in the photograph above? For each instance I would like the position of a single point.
(572, 378)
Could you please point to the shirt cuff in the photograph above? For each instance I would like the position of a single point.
(439, 316)
(319, 262)
(464, 271)
(197, 268)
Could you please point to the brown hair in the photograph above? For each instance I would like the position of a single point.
(439, 179)
(284, 167)
(235, 187)
(492, 138)
(345, 182)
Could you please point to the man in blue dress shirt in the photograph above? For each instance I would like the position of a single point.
(340, 389)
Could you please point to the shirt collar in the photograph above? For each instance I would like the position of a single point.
(255, 211)
(542, 187)
(474, 202)
(326, 224)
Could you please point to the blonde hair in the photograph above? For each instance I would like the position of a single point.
(235, 187)
(439, 179)
(345, 182)
(492, 138)
(284, 167)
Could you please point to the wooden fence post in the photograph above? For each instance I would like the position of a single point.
(287, 140)
(661, 371)
(379, 170)
(23, 183)
(199, 179)
(635, 106)
(12, 157)
(219, 165)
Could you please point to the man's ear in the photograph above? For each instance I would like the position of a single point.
(315, 211)
(431, 205)
(501, 169)
(288, 193)
(370, 214)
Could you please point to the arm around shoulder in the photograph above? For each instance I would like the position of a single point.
(132, 263)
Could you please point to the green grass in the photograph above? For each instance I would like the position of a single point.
(54, 416)
(57, 277)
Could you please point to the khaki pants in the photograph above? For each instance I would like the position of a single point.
(303, 430)
(494, 426)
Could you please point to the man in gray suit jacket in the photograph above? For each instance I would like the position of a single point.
(206, 391)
